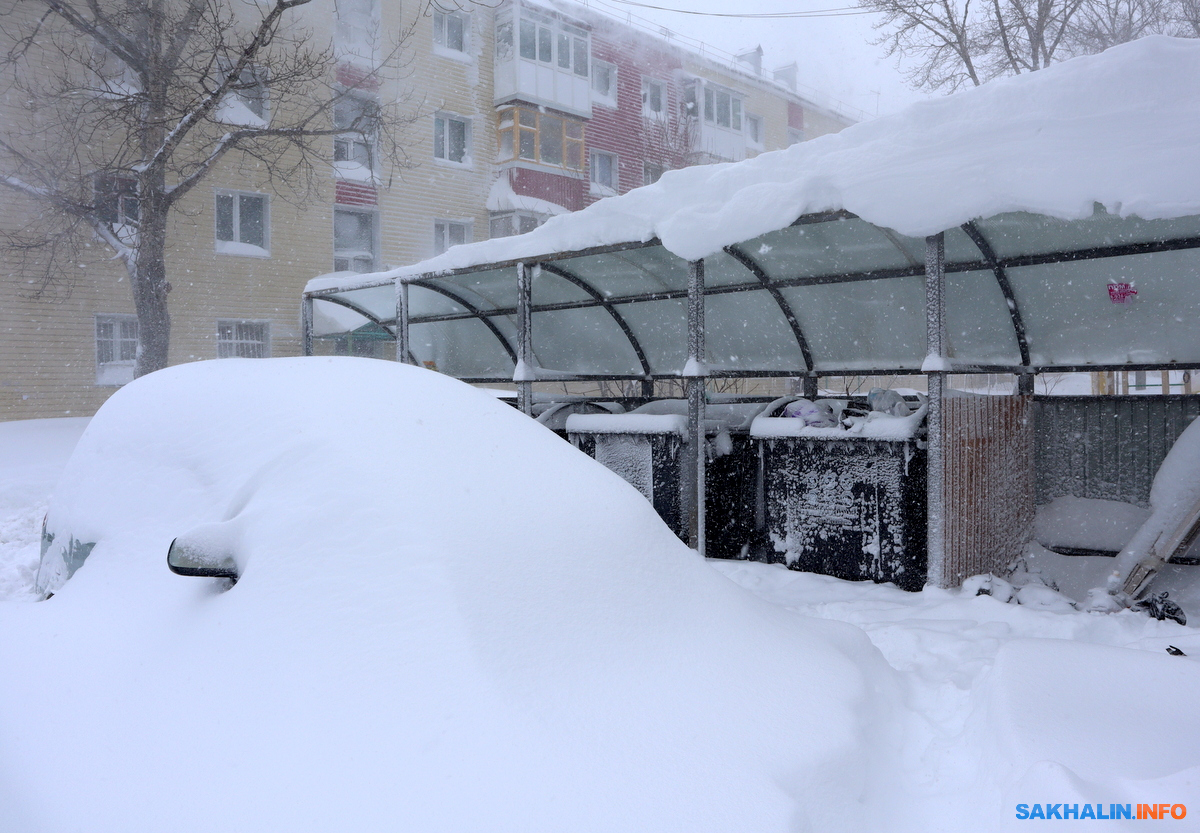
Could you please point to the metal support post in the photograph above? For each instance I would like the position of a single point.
(694, 374)
(306, 324)
(810, 387)
(403, 348)
(523, 375)
(935, 331)
(1025, 384)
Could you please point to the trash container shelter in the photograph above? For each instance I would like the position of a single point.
(1044, 223)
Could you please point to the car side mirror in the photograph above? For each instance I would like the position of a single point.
(190, 559)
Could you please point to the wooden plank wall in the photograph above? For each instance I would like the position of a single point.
(990, 484)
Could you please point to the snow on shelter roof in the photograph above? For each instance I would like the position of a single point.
(1060, 192)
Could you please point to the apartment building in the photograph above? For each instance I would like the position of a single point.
(520, 112)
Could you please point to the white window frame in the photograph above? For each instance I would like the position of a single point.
(599, 186)
(553, 43)
(237, 246)
(442, 42)
(230, 346)
(511, 222)
(713, 96)
(441, 150)
(608, 98)
(358, 26)
(442, 233)
(751, 141)
(114, 77)
(117, 203)
(352, 255)
(259, 104)
(647, 178)
(649, 85)
(347, 144)
(116, 371)
(795, 136)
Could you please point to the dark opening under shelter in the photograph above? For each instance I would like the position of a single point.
(1044, 223)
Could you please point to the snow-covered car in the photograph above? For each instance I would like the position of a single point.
(445, 618)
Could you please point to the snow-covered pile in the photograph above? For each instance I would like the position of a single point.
(448, 619)
(1174, 507)
(1116, 129)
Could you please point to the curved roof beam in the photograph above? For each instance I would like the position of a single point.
(475, 313)
(1014, 312)
(370, 316)
(749, 263)
(558, 271)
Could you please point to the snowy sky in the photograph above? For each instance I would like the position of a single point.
(834, 53)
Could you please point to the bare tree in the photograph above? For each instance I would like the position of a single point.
(1104, 23)
(957, 43)
(1187, 19)
(123, 106)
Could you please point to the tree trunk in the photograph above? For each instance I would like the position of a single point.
(150, 287)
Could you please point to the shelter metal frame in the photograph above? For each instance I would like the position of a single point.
(933, 270)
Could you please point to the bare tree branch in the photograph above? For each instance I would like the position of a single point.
(948, 44)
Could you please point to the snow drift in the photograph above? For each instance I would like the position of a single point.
(447, 619)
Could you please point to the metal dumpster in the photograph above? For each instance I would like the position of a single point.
(644, 447)
(843, 503)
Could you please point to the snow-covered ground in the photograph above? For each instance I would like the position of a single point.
(960, 708)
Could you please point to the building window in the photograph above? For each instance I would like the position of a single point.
(116, 348)
(451, 139)
(242, 224)
(722, 108)
(604, 83)
(651, 173)
(450, 30)
(115, 77)
(249, 101)
(243, 340)
(508, 223)
(654, 98)
(354, 240)
(795, 135)
(604, 170)
(358, 25)
(117, 200)
(754, 130)
(447, 233)
(504, 40)
(559, 45)
(528, 134)
(359, 115)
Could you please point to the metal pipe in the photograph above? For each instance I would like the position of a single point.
(523, 375)
(306, 323)
(695, 372)
(935, 336)
(403, 353)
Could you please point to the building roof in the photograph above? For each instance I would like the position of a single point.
(1050, 186)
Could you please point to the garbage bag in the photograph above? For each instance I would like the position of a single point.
(888, 402)
(814, 414)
